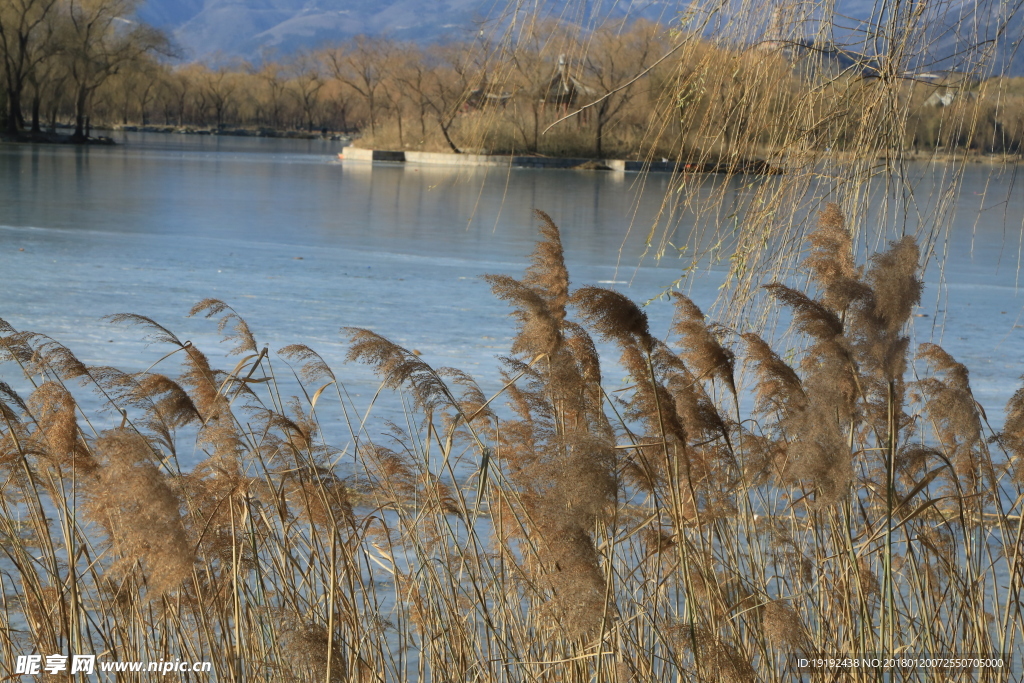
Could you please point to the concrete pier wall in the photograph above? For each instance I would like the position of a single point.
(620, 165)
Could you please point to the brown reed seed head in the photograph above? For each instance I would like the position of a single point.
(581, 346)
(155, 332)
(547, 273)
(811, 317)
(54, 409)
(815, 424)
(203, 383)
(782, 624)
(912, 459)
(954, 413)
(11, 404)
(560, 452)
(142, 515)
(778, 386)
(868, 580)
(471, 399)
(957, 375)
(614, 316)
(694, 407)
(1012, 436)
(14, 345)
(584, 477)
(13, 433)
(314, 649)
(894, 281)
(539, 330)
(702, 348)
(831, 261)
(396, 365)
(571, 572)
(313, 369)
(716, 659)
(877, 319)
(51, 356)
(818, 452)
(323, 500)
(172, 403)
(231, 325)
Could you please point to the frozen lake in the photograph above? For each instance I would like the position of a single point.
(303, 245)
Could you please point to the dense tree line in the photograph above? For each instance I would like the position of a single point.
(58, 53)
(643, 89)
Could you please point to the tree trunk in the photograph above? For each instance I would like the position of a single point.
(81, 98)
(601, 118)
(447, 138)
(536, 127)
(21, 116)
(37, 102)
(13, 110)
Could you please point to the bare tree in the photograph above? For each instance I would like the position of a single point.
(616, 57)
(454, 73)
(24, 24)
(48, 74)
(338, 103)
(136, 89)
(361, 66)
(219, 87)
(412, 75)
(100, 38)
(533, 64)
(306, 83)
(274, 87)
(178, 86)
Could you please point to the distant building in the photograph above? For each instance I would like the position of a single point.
(946, 98)
(481, 98)
(564, 89)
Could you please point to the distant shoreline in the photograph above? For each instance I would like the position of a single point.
(360, 155)
(749, 166)
(238, 132)
(967, 158)
(496, 159)
(49, 138)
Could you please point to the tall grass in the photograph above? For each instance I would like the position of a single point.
(731, 509)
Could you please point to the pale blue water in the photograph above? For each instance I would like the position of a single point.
(303, 245)
(298, 243)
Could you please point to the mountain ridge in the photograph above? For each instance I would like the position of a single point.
(247, 29)
(224, 30)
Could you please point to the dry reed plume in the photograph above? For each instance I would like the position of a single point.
(554, 531)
